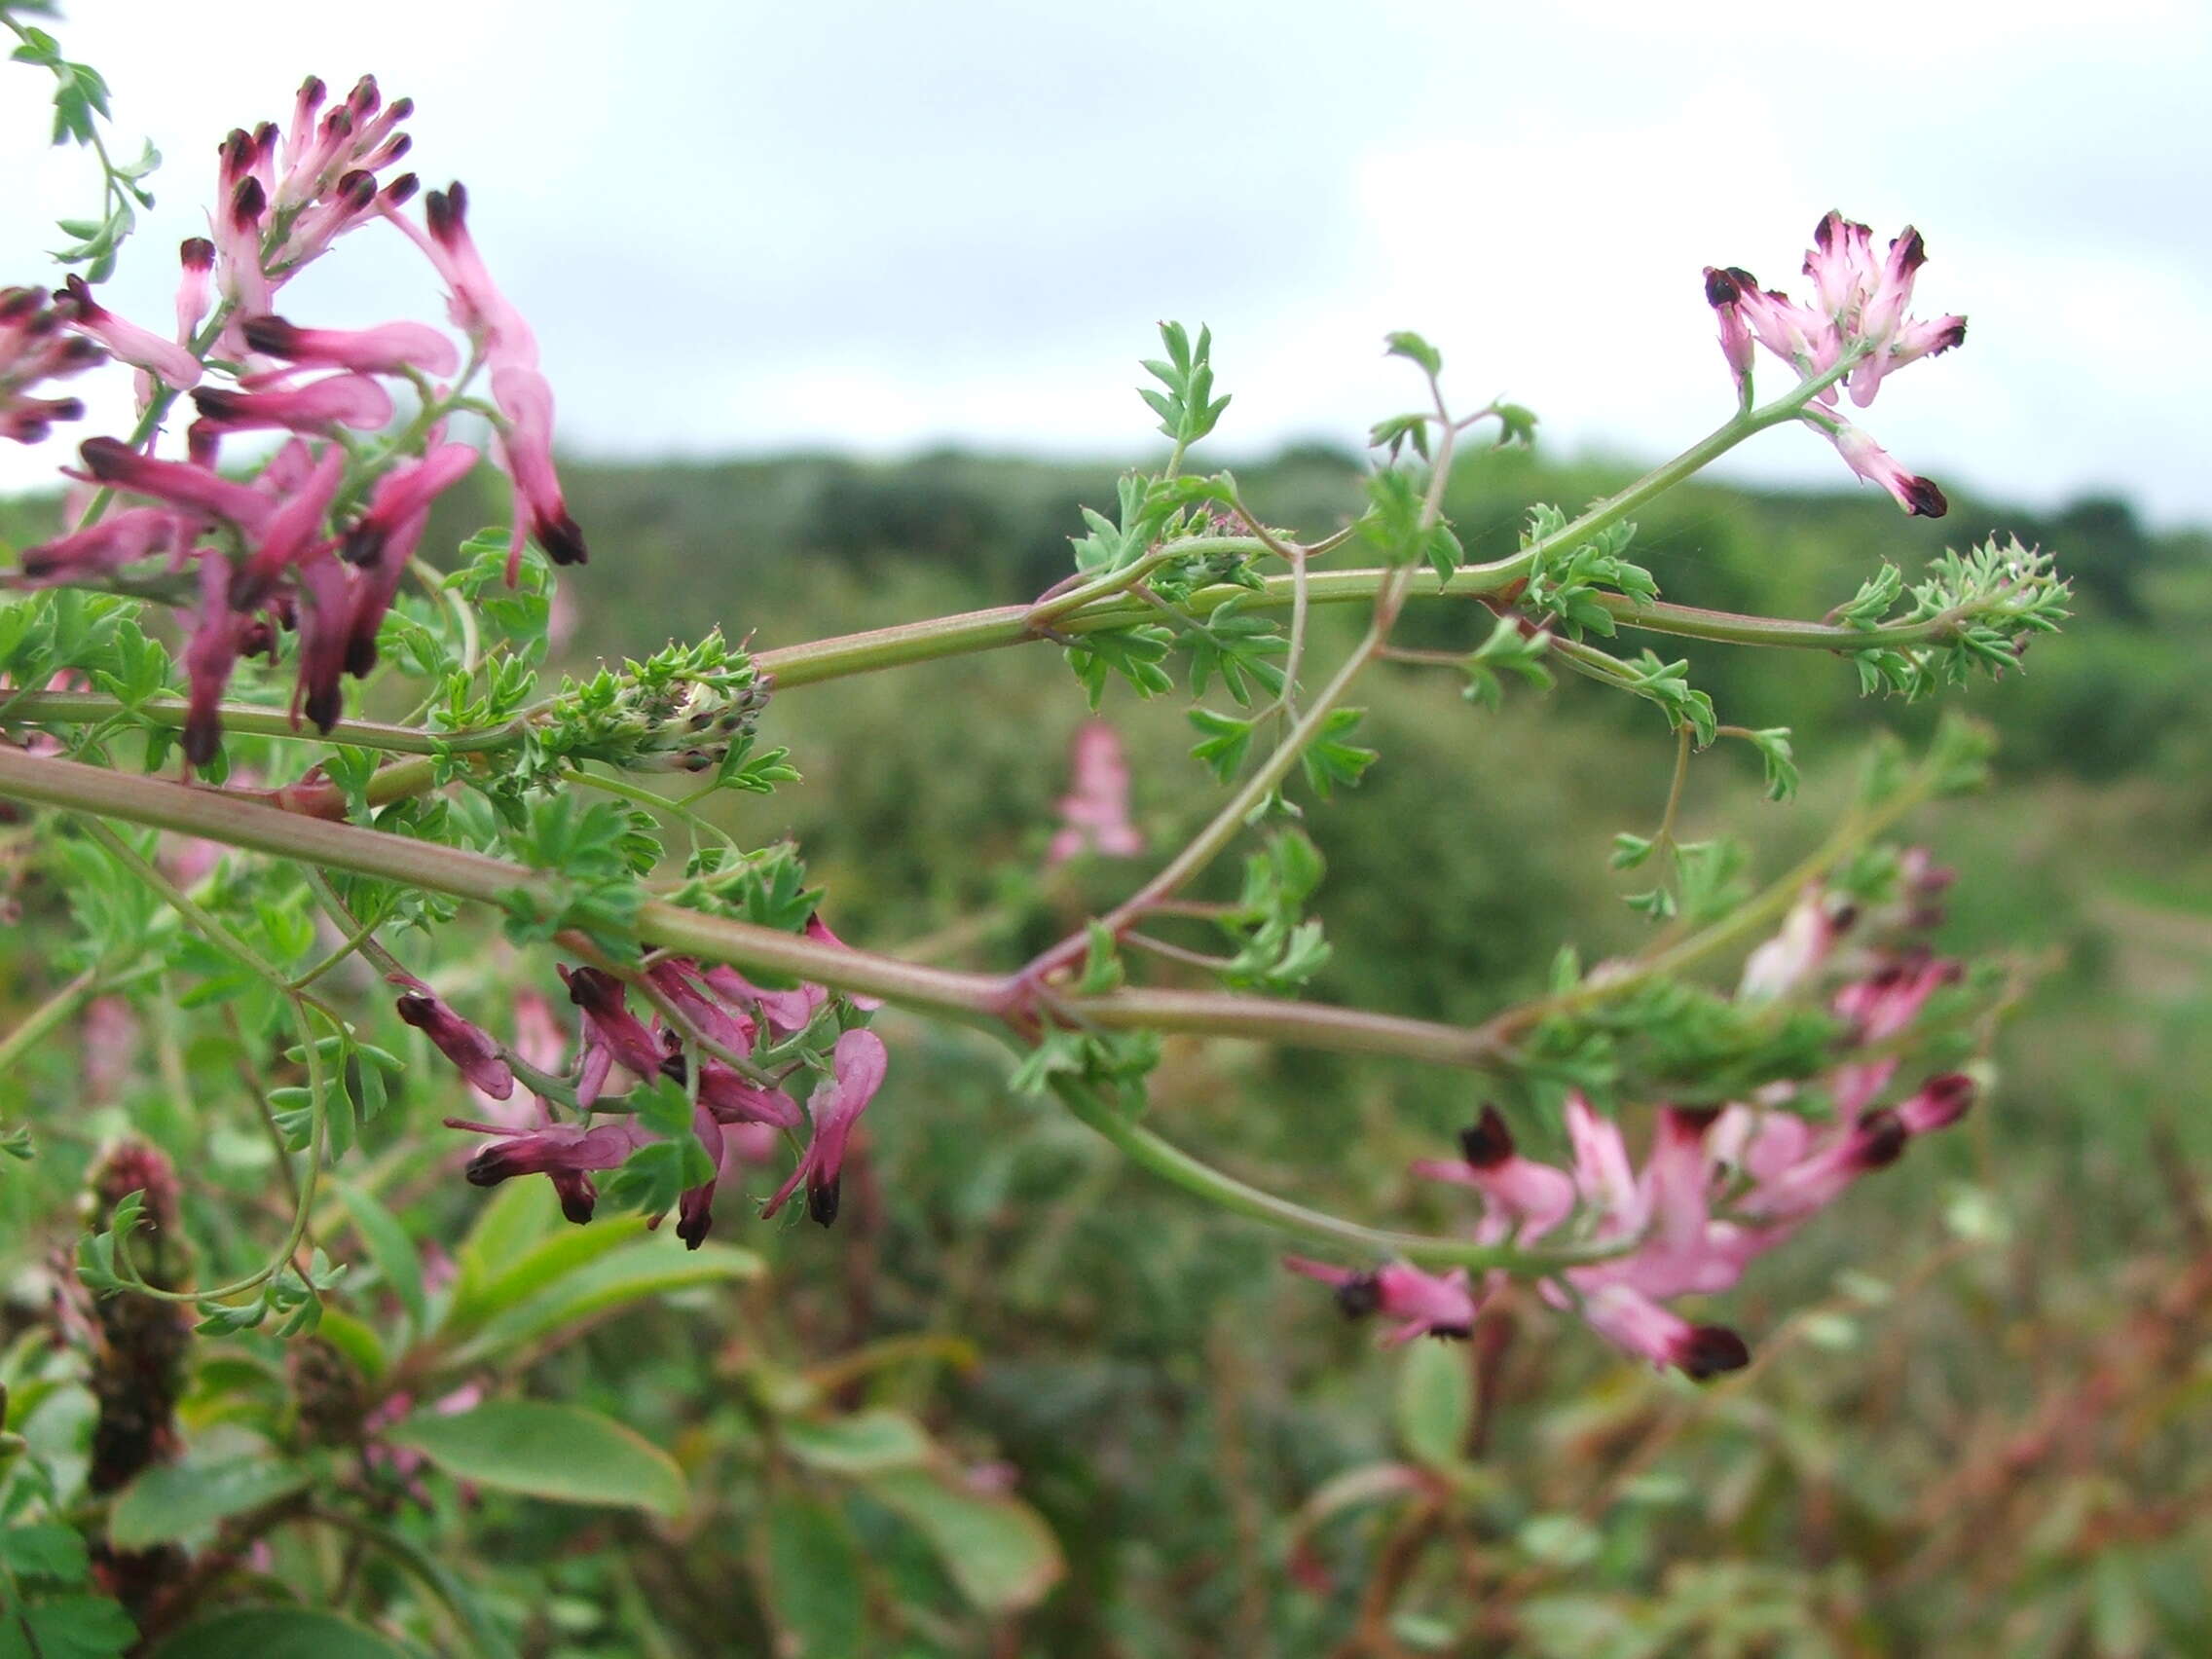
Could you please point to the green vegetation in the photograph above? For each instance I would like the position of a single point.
(1975, 1422)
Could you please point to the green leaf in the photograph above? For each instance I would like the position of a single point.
(47, 1550)
(277, 1633)
(814, 1571)
(1329, 760)
(389, 1250)
(66, 1627)
(997, 1549)
(866, 1443)
(1436, 1403)
(175, 1502)
(1415, 350)
(585, 1291)
(1224, 743)
(558, 1452)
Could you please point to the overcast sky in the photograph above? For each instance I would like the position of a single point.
(741, 226)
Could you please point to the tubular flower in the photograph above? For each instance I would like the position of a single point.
(1718, 1187)
(469, 1048)
(525, 445)
(389, 349)
(1859, 313)
(1423, 1304)
(35, 347)
(195, 258)
(1094, 813)
(606, 1009)
(119, 539)
(127, 342)
(859, 1062)
(110, 460)
(319, 407)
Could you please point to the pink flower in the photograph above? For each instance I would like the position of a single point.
(1724, 293)
(318, 407)
(525, 443)
(195, 256)
(384, 539)
(1535, 1197)
(121, 539)
(606, 1009)
(35, 347)
(468, 1047)
(1858, 307)
(1095, 814)
(110, 460)
(391, 348)
(1423, 1304)
(1634, 1323)
(568, 1152)
(125, 341)
(1794, 954)
(859, 1062)
(1918, 495)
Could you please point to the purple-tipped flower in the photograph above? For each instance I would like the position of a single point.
(1724, 293)
(1634, 1323)
(196, 257)
(1535, 1197)
(110, 460)
(389, 349)
(1423, 1304)
(568, 1152)
(469, 1048)
(318, 407)
(1918, 495)
(35, 347)
(127, 342)
(114, 541)
(859, 1062)
(525, 444)
(607, 1011)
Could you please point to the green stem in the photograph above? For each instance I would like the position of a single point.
(1149, 1151)
(47, 1015)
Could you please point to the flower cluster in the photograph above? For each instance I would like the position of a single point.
(34, 346)
(751, 1043)
(1718, 1186)
(318, 543)
(1858, 312)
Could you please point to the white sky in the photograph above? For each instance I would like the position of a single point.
(743, 227)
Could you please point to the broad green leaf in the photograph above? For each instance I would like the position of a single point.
(1436, 1403)
(66, 1627)
(276, 1632)
(492, 1285)
(515, 1218)
(47, 1550)
(542, 1450)
(814, 1569)
(390, 1249)
(651, 1266)
(182, 1500)
(356, 1341)
(866, 1443)
(997, 1549)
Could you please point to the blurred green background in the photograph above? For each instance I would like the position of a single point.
(1981, 1416)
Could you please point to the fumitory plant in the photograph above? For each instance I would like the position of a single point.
(320, 812)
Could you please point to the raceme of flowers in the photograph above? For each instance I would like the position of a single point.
(316, 543)
(739, 1116)
(1094, 813)
(1718, 1186)
(1858, 307)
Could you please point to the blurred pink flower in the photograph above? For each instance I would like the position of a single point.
(1094, 813)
